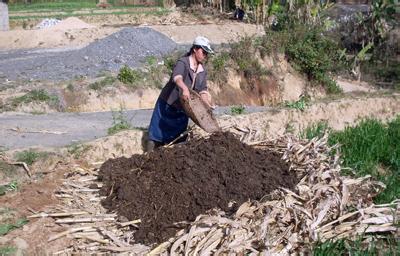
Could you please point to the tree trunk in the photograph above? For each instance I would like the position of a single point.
(4, 22)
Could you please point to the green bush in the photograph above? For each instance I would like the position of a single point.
(237, 110)
(129, 76)
(243, 53)
(315, 55)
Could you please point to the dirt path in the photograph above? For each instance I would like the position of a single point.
(61, 129)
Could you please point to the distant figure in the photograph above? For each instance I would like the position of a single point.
(238, 14)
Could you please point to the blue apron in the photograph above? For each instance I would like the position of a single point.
(167, 122)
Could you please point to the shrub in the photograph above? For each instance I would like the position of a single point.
(29, 156)
(237, 110)
(129, 76)
(35, 96)
(102, 83)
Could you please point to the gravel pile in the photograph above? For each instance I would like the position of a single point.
(130, 46)
(46, 23)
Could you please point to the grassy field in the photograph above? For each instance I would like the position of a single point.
(39, 10)
(370, 148)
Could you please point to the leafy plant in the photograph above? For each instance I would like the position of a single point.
(5, 228)
(35, 96)
(300, 104)
(102, 83)
(316, 56)
(29, 156)
(13, 186)
(120, 123)
(129, 76)
(237, 110)
(243, 54)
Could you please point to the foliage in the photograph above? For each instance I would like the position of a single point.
(216, 70)
(129, 76)
(29, 156)
(315, 130)
(300, 104)
(120, 123)
(381, 246)
(12, 186)
(237, 110)
(315, 55)
(243, 54)
(5, 228)
(372, 148)
(40, 95)
(98, 85)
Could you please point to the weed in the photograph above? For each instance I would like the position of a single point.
(289, 128)
(237, 110)
(13, 186)
(7, 250)
(370, 145)
(35, 96)
(119, 123)
(300, 104)
(98, 85)
(217, 71)
(76, 149)
(29, 156)
(315, 130)
(5, 228)
(129, 76)
(243, 53)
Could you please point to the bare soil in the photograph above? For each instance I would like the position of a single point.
(176, 184)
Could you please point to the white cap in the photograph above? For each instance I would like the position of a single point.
(203, 43)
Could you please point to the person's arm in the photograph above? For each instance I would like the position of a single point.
(178, 73)
(183, 88)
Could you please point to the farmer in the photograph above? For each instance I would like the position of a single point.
(169, 120)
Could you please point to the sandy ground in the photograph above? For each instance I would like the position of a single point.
(74, 33)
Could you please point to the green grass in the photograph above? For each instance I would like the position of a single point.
(382, 246)
(34, 96)
(5, 228)
(373, 148)
(237, 110)
(71, 14)
(29, 156)
(315, 130)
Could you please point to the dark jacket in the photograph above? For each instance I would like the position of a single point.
(170, 93)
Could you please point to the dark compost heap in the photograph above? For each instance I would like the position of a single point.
(176, 184)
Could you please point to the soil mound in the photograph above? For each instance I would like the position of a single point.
(176, 184)
(72, 23)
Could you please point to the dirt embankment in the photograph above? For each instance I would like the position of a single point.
(176, 184)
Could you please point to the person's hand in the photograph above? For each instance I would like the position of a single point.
(185, 94)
